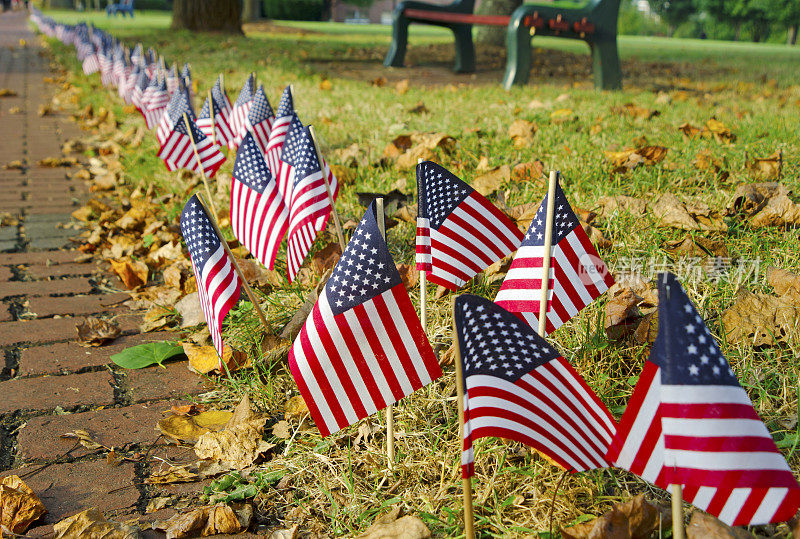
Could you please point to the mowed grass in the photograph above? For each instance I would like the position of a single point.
(338, 487)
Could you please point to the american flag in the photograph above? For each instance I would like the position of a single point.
(517, 386)
(259, 217)
(138, 90)
(259, 119)
(106, 64)
(689, 422)
(147, 94)
(459, 232)
(128, 83)
(172, 80)
(283, 168)
(119, 67)
(217, 283)
(215, 116)
(309, 206)
(179, 104)
(277, 135)
(577, 274)
(241, 107)
(156, 104)
(91, 63)
(362, 347)
(186, 77)
(178, 151)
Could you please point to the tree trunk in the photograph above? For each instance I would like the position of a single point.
(791, 35)
(494, 35)
(251, 10)
(207, 15)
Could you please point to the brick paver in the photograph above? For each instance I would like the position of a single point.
(71, 285)
(44, 307)
(54, 257)
(46, 392)
(41, 271)
(173, 382)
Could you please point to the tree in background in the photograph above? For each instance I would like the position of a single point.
(674, 12)
(756, 14)
(787, 13)
(494, 35)
(207, 15)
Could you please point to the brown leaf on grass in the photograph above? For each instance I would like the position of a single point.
(282, 430)
(325, 85)
(406, 213)
(492, 179)
(401, 87)
(622, 315)
(173, 474)
(779, 211)
(750, 198)
(19, 506)
(96, 331)
(419, 108)
(92, 524)
(350, 157)
(497, 271)
(204, 521)
(408, 149)
(767, 168)
(670, 211)
(133, 273)
(182, 428)
(635, 111)
(647, 330)
(380, 82)
(204, 359)
(610, 206)
(409, 275)
(760, 319)
(704, 526)
(706, 161)
(532, 171)
(54, 162)
(296, 408)
(696, 246)
(522, 132)
(719, 131)
(689, 131)
(239, 443)
(389, 526)
(326, 258)
(626, 160)
(634, 519)
(783, 281)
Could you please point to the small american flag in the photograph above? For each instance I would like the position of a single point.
(178, 151)
(118, 65)
(217, 283)
(362, 347)
(517, 386)
(216, 114)
(91, 63)
(259, 120)
(138, 90)
(259, 217)
(242, 107)
(459, 232)
(179, 104)
(147, 94)
(156, 104)
(689, 422)
(277, 135)
(577, 274)
(186, 77)
(127, 86)
(105, 57)
(309, 206)
(173, 82)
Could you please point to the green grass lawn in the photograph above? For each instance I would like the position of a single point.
(750, 88)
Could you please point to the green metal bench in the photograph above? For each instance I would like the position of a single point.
(595, 23)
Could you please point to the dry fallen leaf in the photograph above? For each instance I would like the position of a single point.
(491, 180)
(296, 408)
(188, 429)
(133, 273)
(389, 526)
(670, 211)
(522, 132)
(92, 524)
(634, 519)
(402, 86)
(532, 171)
(635, 111)
(696, 246)
(204, 521)
(173, 474)
(409, 275)
(53, 162)
(282, 430)
(326, 258)
(767, 168)
(719, 131)
(204, 359)
(704, 526)
(325, 84)
(190, 310)
(760, 319)
(19, 506)
(95, 331)
(6, 92)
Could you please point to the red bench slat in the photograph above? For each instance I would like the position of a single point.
(465, 18)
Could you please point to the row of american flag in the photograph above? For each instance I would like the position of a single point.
(363, 347)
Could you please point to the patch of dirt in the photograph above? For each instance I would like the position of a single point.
(271, 27)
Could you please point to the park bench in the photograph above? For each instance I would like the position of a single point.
(595, 23)
(125, 7)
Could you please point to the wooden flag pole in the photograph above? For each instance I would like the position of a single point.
(199, 164)
(548, 248)
(249, 291)
(213, 119)
(336, 222)
(423, 286)
(466, 482)
(677, 512)
(390, 408)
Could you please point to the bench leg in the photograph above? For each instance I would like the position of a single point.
(518, 45)
(465, 48)
(397, 51)
(605, 64)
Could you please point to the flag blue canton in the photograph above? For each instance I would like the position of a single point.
(260, 110)
(365, 270)
(186, 72)
(142, 80)
(246, 93)
(684, 349)
(494, 342)
(201, 239)
(439, 192)
(292, 143)
(564, 221)
(250, 167)
(286, 106)
(179, 105)
(217, 94)
(304, 160)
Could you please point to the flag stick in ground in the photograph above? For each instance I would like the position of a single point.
(202, 169)
(548, 248)
(423, 289)
(213, 118)
(330, 195)
(677, 512)
(249, 291)
(466, 482)
(390, 408)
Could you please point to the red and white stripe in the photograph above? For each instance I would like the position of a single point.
(474, 236)
(277, 136)
(239, 121)
(298, 245)
(178, 152)
(260, 132)
(577, 277)
(259, 220)
(155, 109)
(91, 64)
(218, 288)
(351, 365)
(223, 134)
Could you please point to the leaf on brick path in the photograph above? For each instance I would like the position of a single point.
(19, 506)
(7, 92)
(94, 331)
(409, 275)
(92, 523)
(719, 131)
(532, 171)
(144, 355)
(766, 168)
(133, 273)
(635, 518)
(157, 503)
(190, 310)
(204, 359)
(669, 211)
(389, 526)
(296, 408)
(282, 430)
(84, 438)
(15, 110)
(53, 162)
(696, 246)
(45, 110)
(6, 219)
(173, 474)
(16, 164)
(419, 108)
(635, 111)
(188, 409)
(522, 132)
(189, 428)
(103, 182)
(156, 317)
(287, 533)
(239, 443)
(326, 258)
(704, 526)
(203, 521)
(491, 180)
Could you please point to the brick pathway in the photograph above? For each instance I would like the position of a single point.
(50, 385)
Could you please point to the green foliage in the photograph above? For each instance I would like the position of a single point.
(298, 10)
(144, 355)
(235, 487)
(674, 12)
(633, 22)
